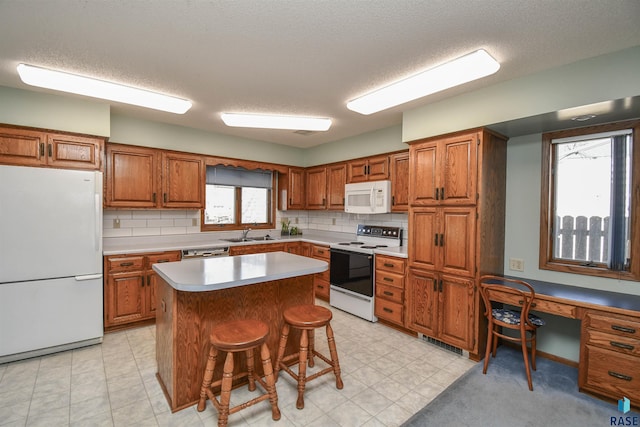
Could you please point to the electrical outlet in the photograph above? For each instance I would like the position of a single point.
(333, 221)
(516, 264)
(194, 222)
(296, 220)
(116, 223)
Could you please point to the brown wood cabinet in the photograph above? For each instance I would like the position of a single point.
(32, 147)
(610, 355)
(321, 280)
(374, 168)
(457, 186)
(390, 289)
(139, 177)
(443, 307)
(444, 171)
(325, 187)
(399, 174)
(293, 184)
(130, 288)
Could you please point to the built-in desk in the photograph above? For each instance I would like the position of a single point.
(610, 335)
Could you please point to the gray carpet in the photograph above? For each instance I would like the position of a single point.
(502, 398)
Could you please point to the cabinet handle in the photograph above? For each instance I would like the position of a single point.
(41, 149)
(521, 302)
(442, 240)
(320, 251)
(441, 193)
(164, 197)
(50, 150)
(437, 194)
(388, 279)
(388, 264)
(621, 345)
(435, 285)
(320, 287)
(154, 197)
(162, 260)
(388, 293)
(623, 329)
(364, 169)
(620, 376)
(388, 310)
(440, 286)
(324, 202)
(435, 240)
(126, 264)
(393, 200)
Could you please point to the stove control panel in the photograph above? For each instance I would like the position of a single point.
(379, 231)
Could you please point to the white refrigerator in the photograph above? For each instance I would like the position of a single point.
(50, 260)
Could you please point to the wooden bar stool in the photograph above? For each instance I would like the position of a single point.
(306, 318)
(235, 337)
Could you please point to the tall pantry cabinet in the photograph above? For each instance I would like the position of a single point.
(456, 233)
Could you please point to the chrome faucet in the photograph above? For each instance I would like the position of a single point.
(245, 232)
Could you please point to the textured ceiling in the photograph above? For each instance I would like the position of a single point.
(299, 57)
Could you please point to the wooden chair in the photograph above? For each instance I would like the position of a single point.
(235, 337)
(496, 292)
(306, 318)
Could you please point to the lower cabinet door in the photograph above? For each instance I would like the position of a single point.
(125, 295)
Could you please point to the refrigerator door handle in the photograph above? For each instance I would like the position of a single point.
(98, 229)
(88, 277)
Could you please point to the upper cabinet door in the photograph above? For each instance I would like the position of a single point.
(295, 187)
(26, 147)
(316, 188)
(336, 180)
(378, 168)
(182, 181)
(74, 152)
(399, 172)
(131, 177)
(357, 170)
(444, 171)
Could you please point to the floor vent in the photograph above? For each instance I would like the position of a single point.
(441, 344)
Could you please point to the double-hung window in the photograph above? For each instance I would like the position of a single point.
(237, 198)
(590, 192)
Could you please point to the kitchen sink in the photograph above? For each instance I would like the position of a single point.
(249, 239)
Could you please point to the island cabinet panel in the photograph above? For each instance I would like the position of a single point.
(184, 320)
(32, 147)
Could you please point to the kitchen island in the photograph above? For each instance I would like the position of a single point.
(193, 295)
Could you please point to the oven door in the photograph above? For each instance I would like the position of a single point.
(352, 271)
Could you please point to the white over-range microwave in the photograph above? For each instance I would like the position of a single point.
(372, 197)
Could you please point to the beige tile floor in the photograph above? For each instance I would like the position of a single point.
(388, 376)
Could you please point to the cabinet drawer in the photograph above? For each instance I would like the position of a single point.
(321, 252)
(614, 342)
(322, 288)
(166, 257)
(128, 263)
(390, 293)
(613, 373)
(393, 264)
(618, 325)
(325, 275)
(390, 311)
(390, 279)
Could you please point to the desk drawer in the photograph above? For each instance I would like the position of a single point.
(613, 373)
(542, 305)
(614, 342)
(618, 325)
(390, 293)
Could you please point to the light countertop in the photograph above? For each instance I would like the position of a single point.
(142, 244)
(211, 274)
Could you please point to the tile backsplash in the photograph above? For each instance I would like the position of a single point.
(128, 223)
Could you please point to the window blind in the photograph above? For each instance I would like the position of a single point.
(238, 177)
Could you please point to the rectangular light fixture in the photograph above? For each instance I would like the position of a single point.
(72, 83)
(266, 121)
(461, 70)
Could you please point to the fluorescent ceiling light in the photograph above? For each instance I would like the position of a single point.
(461, 70)
(276, 122)
(87, 86)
